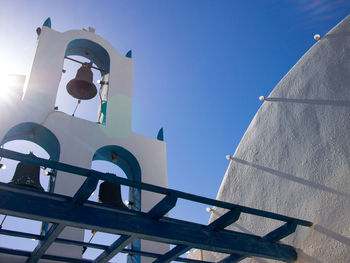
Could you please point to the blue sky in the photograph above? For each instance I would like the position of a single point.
(199, 67)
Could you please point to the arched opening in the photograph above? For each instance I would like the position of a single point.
(119, 161)
(85, 51)
(25, 138)
(39, 135)
(128, 163)
(99, 237)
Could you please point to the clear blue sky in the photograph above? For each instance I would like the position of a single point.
(199, 67)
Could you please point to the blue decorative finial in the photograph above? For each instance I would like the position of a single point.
(129, 54)
(47, 22)
(160, 135)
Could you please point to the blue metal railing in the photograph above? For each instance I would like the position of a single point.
(151, 225)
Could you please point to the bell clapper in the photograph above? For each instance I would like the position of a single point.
(2, 165)
(93, 232)
(2, 222)
(78, 102)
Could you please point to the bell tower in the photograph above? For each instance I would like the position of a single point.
(31, 115)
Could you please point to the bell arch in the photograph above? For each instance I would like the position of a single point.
(95, 57)
(40, 135)
(36, 133)
(128, 163)
(89, 50)
(130, 166)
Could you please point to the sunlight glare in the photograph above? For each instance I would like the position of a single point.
(5, 84)
(8, 81)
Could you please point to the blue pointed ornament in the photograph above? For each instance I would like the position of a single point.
(47, 22)
(160, 135)
(129, 54)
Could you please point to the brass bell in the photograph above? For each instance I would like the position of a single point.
(110, 194)
(27, 175)
(81, 87)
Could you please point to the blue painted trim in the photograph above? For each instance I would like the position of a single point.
(42, 137)
(160, 135)
(129, 54)
(96, 53)
(47, 22)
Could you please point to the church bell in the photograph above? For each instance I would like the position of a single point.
(27, 175)
(109, 193)
(81, 87)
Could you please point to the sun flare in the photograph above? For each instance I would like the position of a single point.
(4, 84)
(9, 83)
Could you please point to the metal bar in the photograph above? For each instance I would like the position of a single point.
(85, 191)
(77, 61)
(148, 187)
(49, 257)
(58, 240)
(233, 258)
(154, 255)
(281, 232)
(224, 220)
(173, 254)
(274, 236)
(28, 204)
(160, 209)
(44, 244)
(79, 198)
(114, 249)
(20, 234)
(90, 204)
(92, 245)
(2, 222)
(163, 207)
(217, 225)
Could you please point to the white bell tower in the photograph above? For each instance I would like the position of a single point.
(31, 115)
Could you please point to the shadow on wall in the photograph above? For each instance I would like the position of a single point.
(292, 178)
(321, 229)
(329, 233)
(339, 103)
(304, 258)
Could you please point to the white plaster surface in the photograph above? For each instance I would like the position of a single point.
(80, 139)
(294, 158)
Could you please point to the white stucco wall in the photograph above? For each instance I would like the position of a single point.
(294, 158)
